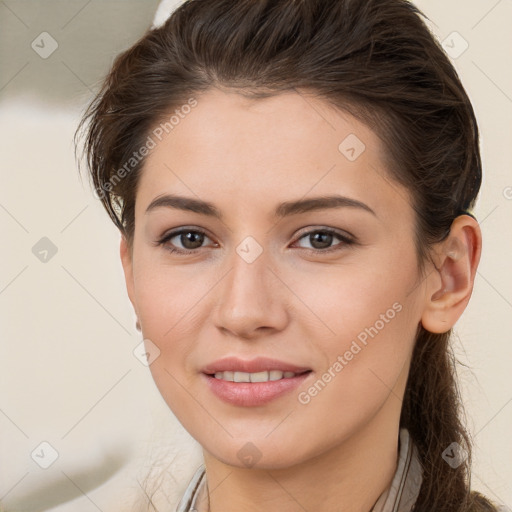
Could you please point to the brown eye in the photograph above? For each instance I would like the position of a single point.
(191, 239)
(183, 241)
(321, 240)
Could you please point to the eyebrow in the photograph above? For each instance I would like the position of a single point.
(285, 209)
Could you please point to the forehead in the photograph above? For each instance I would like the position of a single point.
(275, 122)
(284, 146)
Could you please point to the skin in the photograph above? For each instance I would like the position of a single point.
(304, 307)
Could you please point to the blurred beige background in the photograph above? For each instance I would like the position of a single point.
(68, 376)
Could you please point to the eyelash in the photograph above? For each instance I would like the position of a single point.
(346, 241)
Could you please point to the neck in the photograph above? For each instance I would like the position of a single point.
(348, 478)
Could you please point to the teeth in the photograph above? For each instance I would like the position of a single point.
(254, 377)
(242, 377)
(275, 374)
(258, 377)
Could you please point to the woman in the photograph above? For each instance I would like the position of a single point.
(293, 183)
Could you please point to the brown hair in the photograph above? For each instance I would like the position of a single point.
(375, 59)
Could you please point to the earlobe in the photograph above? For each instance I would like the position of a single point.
(450, 285)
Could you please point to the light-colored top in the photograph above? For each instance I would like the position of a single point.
(400, 496)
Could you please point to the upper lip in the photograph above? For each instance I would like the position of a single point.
(260, 364)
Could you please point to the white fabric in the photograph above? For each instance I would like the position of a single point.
(164, 10)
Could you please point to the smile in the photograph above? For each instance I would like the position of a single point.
(244, 389)
(264, 376)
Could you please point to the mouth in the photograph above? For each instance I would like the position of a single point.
(253, 383)
(264, 376)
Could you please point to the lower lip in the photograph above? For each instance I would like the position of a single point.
(251, 394)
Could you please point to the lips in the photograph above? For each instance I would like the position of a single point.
(255, 382)
(260, 364)
(253, 394)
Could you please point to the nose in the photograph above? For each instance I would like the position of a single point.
(251, 299)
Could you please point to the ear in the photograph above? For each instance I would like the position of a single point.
(125, 252)
(450, 284)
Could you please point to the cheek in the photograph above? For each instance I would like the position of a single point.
(171, 306)
(363, 321)
(365, 361)
(168, 297)
(168, 301)
(343, 301)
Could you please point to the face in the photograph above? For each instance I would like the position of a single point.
(328, 291)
